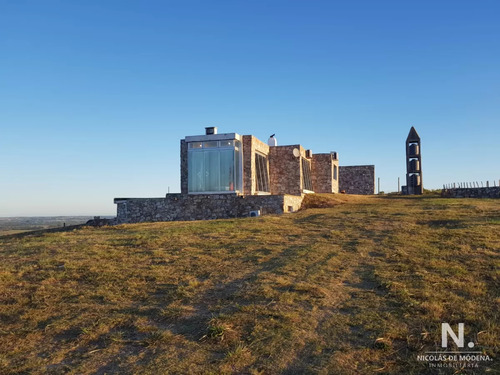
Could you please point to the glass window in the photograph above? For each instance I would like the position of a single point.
(196, 171)
(210, 144)
(227, 170)
(227, 143)
(306, 175)
(262, 173)
(214, 169)
(237, 169)
(195, 144)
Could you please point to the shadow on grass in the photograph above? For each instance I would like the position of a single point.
(449, 224)
(222, 299)
(408, 197)
(344, 329)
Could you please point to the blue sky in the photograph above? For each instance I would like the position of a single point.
(95, 95)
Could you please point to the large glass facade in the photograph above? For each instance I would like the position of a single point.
(214, 166)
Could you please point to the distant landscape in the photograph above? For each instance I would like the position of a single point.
(348, 285)
(13, 225)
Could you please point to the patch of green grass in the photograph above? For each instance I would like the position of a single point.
(350, 285)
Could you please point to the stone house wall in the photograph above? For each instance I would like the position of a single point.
(325, 173)
(357, 179)
(251, 145)
(184, 167)
(285, 170)
(189, 207)
(285, 183)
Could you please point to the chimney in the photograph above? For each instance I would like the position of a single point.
(211, 130)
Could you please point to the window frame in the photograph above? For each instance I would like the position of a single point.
(307, 185)
(237, 179)
(262, 185)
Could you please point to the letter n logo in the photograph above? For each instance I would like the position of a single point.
(446, 330)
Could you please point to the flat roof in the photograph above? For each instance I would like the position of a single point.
(212, 137)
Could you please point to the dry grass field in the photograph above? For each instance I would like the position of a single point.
(350, 285)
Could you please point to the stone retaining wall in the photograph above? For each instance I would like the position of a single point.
(482, 192)
(187, 207)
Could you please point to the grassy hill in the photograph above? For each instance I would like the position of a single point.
(360, 285)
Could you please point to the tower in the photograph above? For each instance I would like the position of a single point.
(414, 184)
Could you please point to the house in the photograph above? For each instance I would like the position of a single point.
(231, 175)
(244, 165)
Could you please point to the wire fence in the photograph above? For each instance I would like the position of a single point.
(471, 185)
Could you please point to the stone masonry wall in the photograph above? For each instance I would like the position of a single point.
(201, 207)
(482, 192)
(285, 170)
(251, 145)
(248, 164)
(184, 167)
(324, 178)
(357, 179)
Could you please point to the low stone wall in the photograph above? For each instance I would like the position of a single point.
(187, 207)
(482, 192)
(357, 179)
